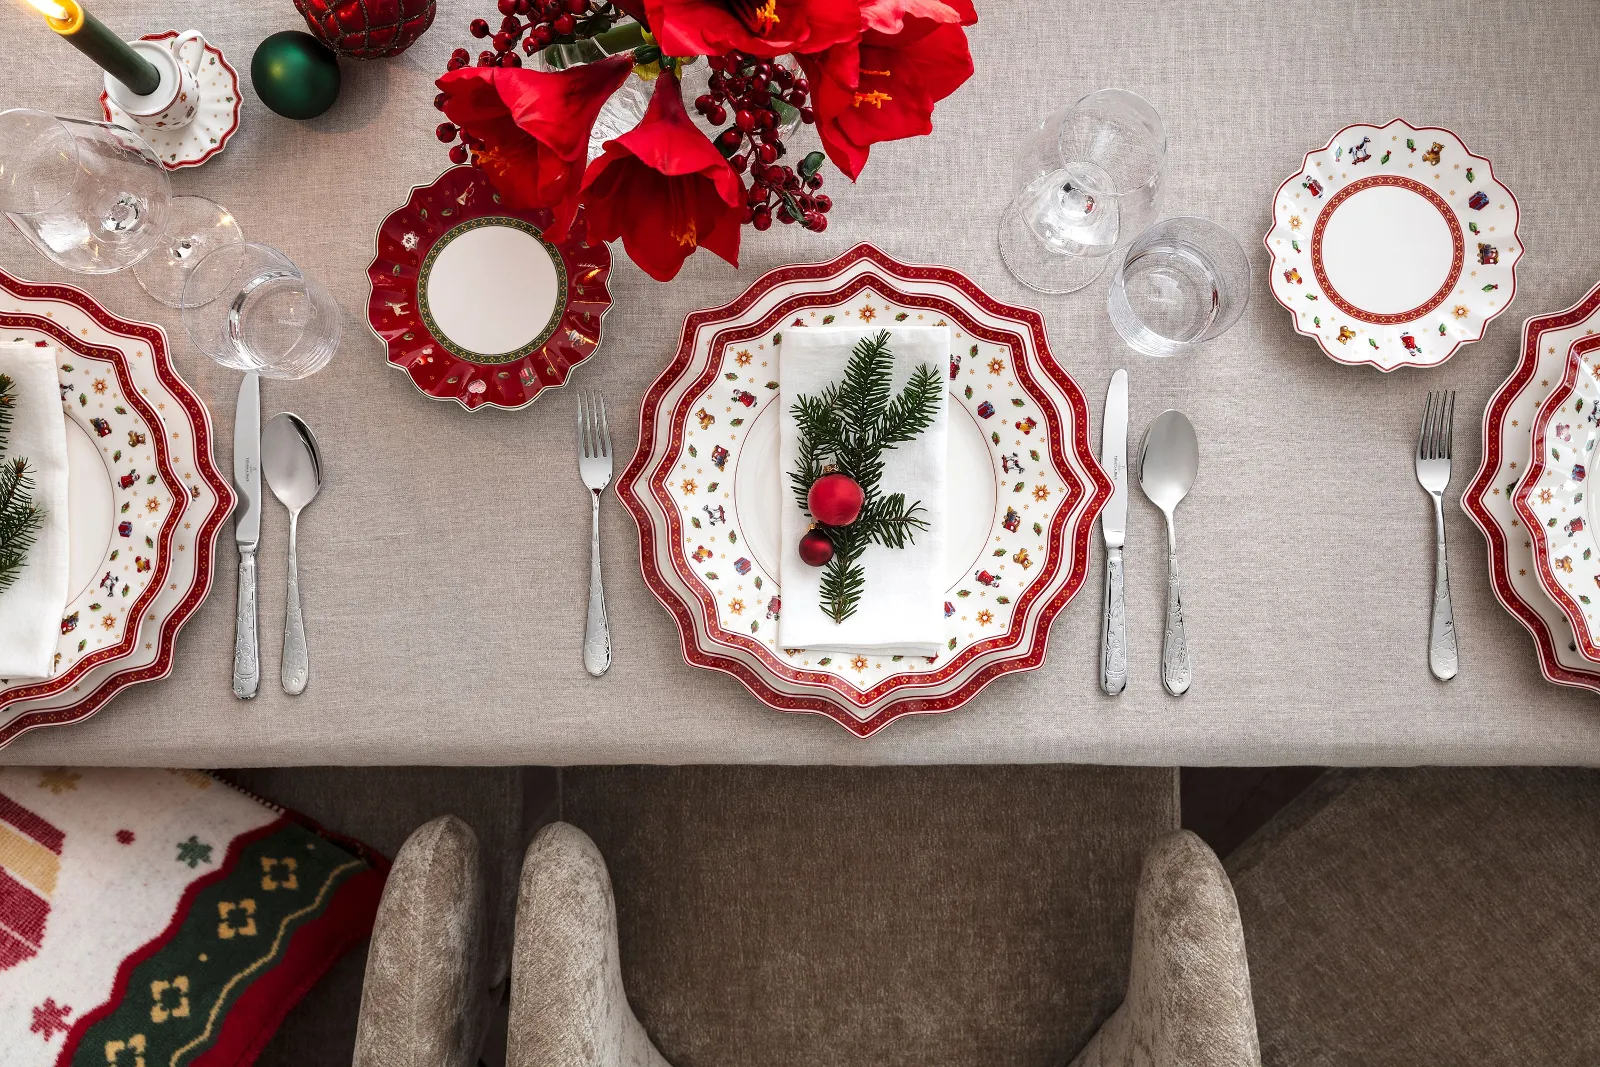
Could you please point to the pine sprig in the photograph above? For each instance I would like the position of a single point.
(848, 426)
(19, 518)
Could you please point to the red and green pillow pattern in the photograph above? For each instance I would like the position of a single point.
(163, 917)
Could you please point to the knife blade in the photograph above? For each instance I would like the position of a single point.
(247, 532)
(1114, 529)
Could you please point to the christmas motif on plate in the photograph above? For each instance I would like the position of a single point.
(475, 303)
(843, 433)
(1394, 246)
(216, 117)
(1490, 497)
(1556, 499)
(1015, 555)
(165, 502)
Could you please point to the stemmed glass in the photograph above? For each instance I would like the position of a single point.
(248, 307)
(95, 199)
(1087, 181)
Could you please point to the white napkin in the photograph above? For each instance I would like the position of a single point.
(31, 608)
(901, 610)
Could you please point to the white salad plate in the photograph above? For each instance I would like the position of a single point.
(1393, 245)
(707, 494)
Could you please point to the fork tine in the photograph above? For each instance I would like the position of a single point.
(605, 428)
(1438, 421)
(583, 427)
(1421, 432)
(1450, 424)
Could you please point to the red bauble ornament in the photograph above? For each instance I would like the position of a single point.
(835, 499)
(367, 29)
(815, 548)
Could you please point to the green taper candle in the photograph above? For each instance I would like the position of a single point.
(91, 37)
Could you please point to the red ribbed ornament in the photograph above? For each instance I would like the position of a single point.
(367, 29)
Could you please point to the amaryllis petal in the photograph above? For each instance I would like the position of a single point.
(883, 87)
(758, 27)
(534, 126)
(888, 16)
(664, 189)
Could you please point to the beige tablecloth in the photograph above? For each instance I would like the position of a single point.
(444, 566)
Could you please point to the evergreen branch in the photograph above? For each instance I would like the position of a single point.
(914, 409)
(19, 519)
(888, 522)
(843, 581)
(864, 392)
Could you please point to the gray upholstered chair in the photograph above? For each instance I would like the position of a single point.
(421, 1000)
(924, 916)
(1413, 918)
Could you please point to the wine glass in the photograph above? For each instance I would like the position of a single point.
(248, 307)
(95, 199)
(1087, 181)
(1184, 281)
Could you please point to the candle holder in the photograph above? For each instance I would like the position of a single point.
(193, 113)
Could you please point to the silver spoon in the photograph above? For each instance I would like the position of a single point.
(293, 466)
(1169, 459)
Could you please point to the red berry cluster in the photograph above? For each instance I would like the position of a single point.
(754, 87)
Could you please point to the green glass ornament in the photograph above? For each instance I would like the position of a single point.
(295, 74)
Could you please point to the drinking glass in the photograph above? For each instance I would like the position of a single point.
(1087, 181)
(248, 307)
(95, 199)
(1184, 281)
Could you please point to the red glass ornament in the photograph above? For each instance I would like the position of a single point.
(815, 548)
(367, 29)
(835, 499)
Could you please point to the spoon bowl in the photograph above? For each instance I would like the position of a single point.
(1169, 460)
(292, 463)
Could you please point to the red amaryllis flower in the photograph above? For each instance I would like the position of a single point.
(756, 27)
(534, 126)
(664, 189)
(883, 86)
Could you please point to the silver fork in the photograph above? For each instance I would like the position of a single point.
(594, 467)
(1433, 474)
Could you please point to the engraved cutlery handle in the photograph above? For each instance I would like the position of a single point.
(246, 648)
(1176, 670)
(1114, 638)
(1442, 638)
(296, 656)
(597, 632)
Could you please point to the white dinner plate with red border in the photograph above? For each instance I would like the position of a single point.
(1489, 497)
(147, 499)
(707, 503)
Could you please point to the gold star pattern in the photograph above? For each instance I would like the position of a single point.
(985, 617)
(867, 314)
(859, 663)
(1041, 493)
(736, 606)
(689, 485)
(997, 366)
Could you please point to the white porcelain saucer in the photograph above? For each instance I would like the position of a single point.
(215, 121)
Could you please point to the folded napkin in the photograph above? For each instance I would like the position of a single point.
(31, 607)
(901, 610)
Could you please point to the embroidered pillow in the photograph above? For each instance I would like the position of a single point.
(152, 917)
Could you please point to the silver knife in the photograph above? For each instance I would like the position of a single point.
(1114, 527)
(247, 531)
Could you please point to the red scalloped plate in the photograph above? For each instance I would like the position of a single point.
(475, 303)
